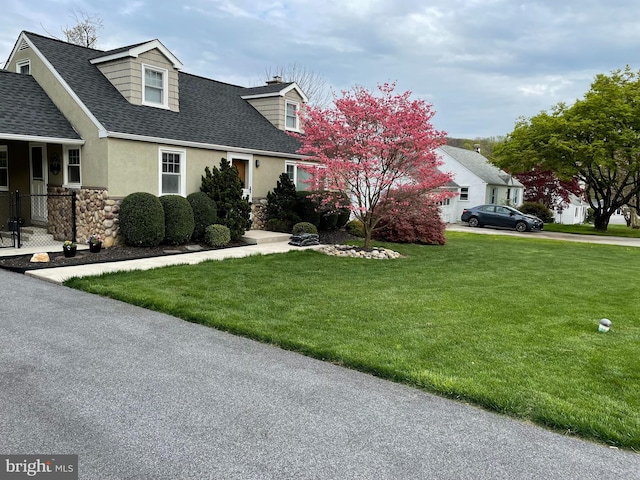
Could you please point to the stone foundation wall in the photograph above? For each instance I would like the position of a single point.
(259, 214)
(59, 213)
(96, 214)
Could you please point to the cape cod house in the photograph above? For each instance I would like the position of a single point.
(108, 123)
(478, 182)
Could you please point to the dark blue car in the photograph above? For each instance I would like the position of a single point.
(501, 216)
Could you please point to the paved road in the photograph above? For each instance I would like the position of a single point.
(141, 395)
(567, 237)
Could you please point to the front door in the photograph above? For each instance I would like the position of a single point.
(38, 155)
(244, 172)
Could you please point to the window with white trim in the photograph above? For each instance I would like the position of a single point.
(155, 86)
(291, 115)
(464, 193)
(172, 172)
(4, 168)
(298, 176)
(72, 167)
(24, 67)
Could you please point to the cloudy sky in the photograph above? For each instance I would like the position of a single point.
(481, 63)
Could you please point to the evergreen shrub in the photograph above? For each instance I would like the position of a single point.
(141, 220)
(217, 235)
(178, 219)
(204, 213)
(355, 228)
(304, 227)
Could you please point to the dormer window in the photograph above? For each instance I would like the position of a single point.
(155, 86)
(24, 67)
(291, 116)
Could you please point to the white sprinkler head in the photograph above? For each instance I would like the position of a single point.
(605, 325)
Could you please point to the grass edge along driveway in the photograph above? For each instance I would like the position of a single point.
(509, 324)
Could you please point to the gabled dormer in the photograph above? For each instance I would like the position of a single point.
(279, 102)
(145, 74)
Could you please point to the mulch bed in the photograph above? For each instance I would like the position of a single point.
(22, 263)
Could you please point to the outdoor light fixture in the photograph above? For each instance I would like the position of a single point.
(257, 163)
(605, 325)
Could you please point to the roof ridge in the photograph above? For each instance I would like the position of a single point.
(61, 41)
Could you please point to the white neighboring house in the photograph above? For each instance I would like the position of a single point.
(572, 213)
(479, 182)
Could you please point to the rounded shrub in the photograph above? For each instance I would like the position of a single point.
(141, 220)
(279, 225)
(355, 228)
(304, 227)
(217, 235)
(178, 219)
(204, 213)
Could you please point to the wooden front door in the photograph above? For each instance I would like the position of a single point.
(243, 172)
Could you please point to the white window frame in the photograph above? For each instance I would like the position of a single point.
(182, 183)
(5, 149)
(464, 194)
(66, 165)
(23, 63)
(165, 86)
(296, 127)
(295, 166)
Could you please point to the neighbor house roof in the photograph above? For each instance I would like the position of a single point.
(41, 121)
(480, 166)
(212, 113)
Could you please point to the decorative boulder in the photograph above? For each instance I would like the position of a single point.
(304, 240)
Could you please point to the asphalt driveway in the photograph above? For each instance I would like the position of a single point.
(141, 395)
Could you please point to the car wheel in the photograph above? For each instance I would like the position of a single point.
(521, 227)
(473, 222)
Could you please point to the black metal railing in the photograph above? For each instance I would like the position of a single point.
(36, 220)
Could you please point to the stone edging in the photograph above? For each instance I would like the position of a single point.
(376, 253)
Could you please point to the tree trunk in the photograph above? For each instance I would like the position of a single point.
(634, 219)
(600, 221)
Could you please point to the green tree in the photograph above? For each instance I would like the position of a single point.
(282, 202)
(596, 140)
(224, 187)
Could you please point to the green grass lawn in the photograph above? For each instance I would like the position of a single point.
(506, 323)
(612, 230)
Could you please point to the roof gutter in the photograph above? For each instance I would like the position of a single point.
(35, 138)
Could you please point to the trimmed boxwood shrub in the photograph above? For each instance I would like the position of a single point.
(141, 220)
(304, 227)
(204, 213)
(537, 209)
(355, 228)
(178, 219)
(217, 235)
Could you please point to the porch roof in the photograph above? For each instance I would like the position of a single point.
(28, 114)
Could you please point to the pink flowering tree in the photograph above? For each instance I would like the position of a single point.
(380, 150)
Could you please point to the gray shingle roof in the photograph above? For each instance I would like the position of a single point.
(25, 109)
(211, 112)
(265, 89)
(480, 166)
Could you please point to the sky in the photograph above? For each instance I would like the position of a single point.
(480, 63)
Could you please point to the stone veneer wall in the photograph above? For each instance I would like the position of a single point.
(96, 214)
(259, 214)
